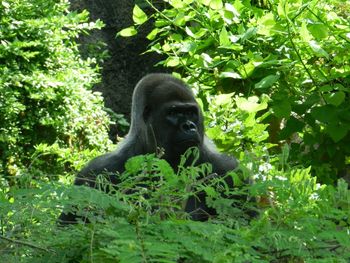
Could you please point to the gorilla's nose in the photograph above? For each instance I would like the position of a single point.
(188, 127)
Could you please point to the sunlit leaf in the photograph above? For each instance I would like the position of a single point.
(246, 70)
(152, 35)
(138, 16)
(233, 75)
(304, 32)
(188, 47)
(266, 23)
(127, 32)
(177, 3)
(317, 49)
(216, 4)
(283, 8)
(251, 104)
(173, 62)
(180, 19)
(319, 31)
(224, 39)
(189, 32)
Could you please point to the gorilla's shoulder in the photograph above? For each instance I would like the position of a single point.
(222, 163)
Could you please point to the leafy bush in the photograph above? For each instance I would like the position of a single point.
(50, 122)
(143, 221)
(233, 123)
(295, 52)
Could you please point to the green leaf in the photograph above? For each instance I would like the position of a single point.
(138, 16)
(172, 62)
(325, 114)
(231, 15)
(304, 33)
(127, 32)
(326, 88)
(293, 125)
(152, 35)
(337, 132)
(282, 109)
(335, 98)
(180, 19)
(249, 33)
(246, 70)
(266, 82)
(223, 38)
(232, 75)
(230, 8)
(189, 32)
(316, 48)
(283, 8)
(204, 2)
(266, 24)
(177, 3)
(319, 31)
(216, 4)
(188, 47)
(251, 104)
(134, 164)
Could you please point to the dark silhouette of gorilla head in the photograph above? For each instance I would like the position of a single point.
(164, 115)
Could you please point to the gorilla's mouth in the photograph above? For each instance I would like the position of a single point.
(189, 142)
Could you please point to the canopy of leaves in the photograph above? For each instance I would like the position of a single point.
(295, 52)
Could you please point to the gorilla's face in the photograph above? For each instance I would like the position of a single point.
(182, 122)
(176, 121)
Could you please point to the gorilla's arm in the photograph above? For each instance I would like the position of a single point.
(221, 163)
(111, 163)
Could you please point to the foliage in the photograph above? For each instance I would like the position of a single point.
(50, 122)
(143, 222)
(279, 67)
(233, 122)
(294, 52)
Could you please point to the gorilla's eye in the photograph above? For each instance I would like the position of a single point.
(192, 113)
(172, 112)
(172, 116)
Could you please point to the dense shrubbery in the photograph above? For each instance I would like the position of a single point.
(293, 52)
(282, 73)
(304, 221)
(50, 122)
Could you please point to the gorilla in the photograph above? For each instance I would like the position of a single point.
(164, 115)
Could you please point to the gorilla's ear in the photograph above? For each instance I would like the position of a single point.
(146, 113)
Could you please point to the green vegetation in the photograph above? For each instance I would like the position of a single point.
(295, 53)
(50, 121)
(273, 79)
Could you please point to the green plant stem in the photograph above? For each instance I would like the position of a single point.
(142, 244)
(91, 244)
